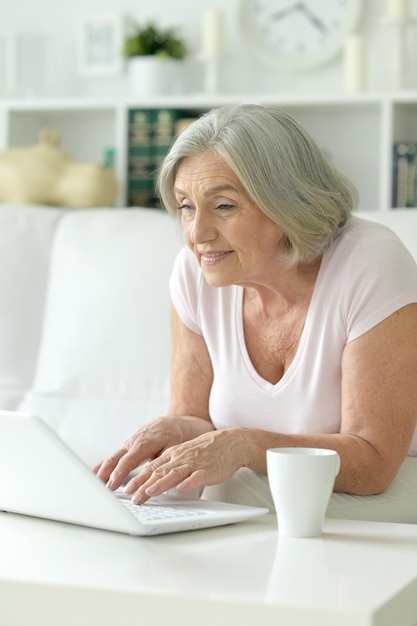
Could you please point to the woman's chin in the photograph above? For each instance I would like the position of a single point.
(216, 279)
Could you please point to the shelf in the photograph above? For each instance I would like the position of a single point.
(357, 131)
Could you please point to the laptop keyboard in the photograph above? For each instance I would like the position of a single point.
(146, 513)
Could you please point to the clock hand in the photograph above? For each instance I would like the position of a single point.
(279, 15)
(312, 18)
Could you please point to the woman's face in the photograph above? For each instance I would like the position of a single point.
(233, 241)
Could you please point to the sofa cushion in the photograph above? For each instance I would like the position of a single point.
(26, 235)
(103, 363)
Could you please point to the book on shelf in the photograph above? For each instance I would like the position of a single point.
(404, 182)
(151, 133)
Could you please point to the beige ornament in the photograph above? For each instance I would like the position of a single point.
(45, 174)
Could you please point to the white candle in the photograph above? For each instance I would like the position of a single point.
(355, 63)
(213, 32)
(399, 8)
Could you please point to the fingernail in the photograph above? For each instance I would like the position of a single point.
(138, 498)
(112, 480)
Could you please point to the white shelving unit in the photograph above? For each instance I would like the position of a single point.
(358, 131)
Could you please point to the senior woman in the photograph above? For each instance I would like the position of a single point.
(294, 323)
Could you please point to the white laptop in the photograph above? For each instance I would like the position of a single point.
(40, 476)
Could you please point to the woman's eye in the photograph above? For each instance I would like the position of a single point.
(225, 207)
(186, 207)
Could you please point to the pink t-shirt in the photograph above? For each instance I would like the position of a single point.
(366, 274)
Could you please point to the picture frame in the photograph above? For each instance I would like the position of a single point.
(100, 49)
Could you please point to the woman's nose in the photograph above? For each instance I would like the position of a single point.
(202, 228)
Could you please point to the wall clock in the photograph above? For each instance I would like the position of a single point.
(297, 35)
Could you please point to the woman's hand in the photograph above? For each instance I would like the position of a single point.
(206, 460)
(146, 444)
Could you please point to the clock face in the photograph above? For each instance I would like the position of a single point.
(298, 35)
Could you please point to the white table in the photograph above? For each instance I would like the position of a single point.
(357, 573)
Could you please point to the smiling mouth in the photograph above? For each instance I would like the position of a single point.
(213, 258)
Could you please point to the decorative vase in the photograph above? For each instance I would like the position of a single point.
(149, 75)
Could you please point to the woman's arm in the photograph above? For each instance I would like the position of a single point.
(379, 401)
(191, 374)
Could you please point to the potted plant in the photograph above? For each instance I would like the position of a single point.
(150, 40)
(154, 57)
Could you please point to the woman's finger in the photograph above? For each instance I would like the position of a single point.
(104, 469)
(155, 479)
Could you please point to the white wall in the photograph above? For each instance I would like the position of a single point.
(243, 73)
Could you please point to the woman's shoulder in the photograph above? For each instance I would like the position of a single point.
(367, 241)
(376, 274)
(366, 230)
(367, 253)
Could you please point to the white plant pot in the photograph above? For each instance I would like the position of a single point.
(152, 76)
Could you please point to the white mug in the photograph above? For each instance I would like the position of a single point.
(301, 482)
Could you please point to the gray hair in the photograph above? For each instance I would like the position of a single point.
(281, 167)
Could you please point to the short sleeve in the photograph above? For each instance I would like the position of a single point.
(382, 280)
(184, 289)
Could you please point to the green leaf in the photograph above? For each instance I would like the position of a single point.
(154, 41)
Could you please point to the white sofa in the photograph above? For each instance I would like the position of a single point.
(84, 317)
